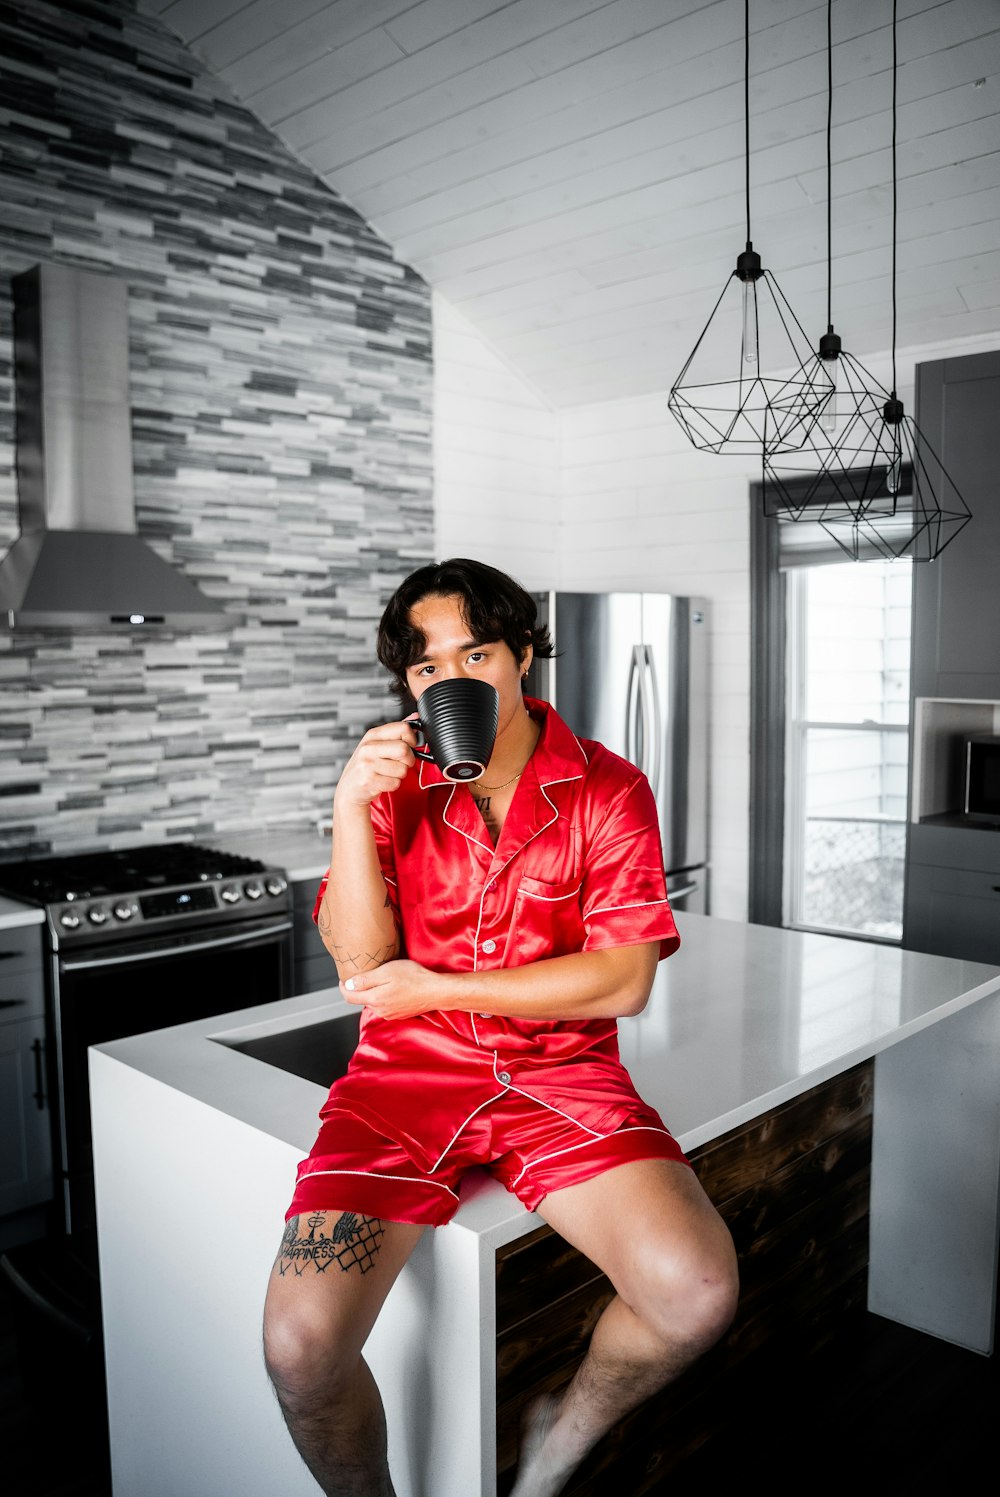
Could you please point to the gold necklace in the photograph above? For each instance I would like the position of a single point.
(499, 787)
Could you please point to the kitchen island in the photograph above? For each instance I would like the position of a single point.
(198, 1129)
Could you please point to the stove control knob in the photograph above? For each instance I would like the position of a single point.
(231, 893)
(69, 920)
(124, 909)
(97, 914)
(275, 885)
(253, 888)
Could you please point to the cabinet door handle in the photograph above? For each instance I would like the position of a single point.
(38, 1050)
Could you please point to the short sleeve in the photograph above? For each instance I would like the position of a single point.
(624, 894)
(382, 827)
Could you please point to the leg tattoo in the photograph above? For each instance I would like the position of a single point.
(354, 1244)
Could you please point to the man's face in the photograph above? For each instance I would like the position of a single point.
(450, 652)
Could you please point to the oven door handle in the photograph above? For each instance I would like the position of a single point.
(242, 938)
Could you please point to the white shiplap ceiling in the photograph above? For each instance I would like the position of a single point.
(571, 174)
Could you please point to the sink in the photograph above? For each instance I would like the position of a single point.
(317, 1052)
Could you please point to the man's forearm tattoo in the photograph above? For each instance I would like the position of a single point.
(359, 961)
(347, 958)
(354, 1243)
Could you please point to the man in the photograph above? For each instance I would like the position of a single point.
(492, 934)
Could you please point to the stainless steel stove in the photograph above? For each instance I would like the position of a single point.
(139, 940)
(118, 896)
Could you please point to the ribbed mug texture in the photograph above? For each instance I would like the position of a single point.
(458, 719)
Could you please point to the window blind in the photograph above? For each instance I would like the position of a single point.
(805, 542)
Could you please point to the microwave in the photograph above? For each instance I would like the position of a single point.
(982, 778)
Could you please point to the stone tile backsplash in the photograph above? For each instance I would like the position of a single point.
(281, 407)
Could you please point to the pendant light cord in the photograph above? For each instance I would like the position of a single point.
(746, 101)
(829, 171)
(893, 199)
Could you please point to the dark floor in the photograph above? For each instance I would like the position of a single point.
(879, 1399)
(878, 1396)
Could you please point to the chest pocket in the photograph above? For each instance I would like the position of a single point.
(548, 920)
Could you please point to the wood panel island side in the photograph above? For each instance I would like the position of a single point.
(838, 1099)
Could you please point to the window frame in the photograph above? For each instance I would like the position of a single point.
(768, 716)
(797, 729)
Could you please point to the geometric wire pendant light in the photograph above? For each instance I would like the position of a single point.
(843, 464)
(750, 327)
(890, 524)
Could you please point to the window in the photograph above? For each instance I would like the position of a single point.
(830, 697)
(847, 710)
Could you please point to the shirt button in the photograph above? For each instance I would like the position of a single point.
(504, 1076)
(489, 946)
(486, 1016)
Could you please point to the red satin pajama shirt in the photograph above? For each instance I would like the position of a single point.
(542, 1104)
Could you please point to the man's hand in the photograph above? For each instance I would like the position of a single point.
(380, 763)
(396, 990)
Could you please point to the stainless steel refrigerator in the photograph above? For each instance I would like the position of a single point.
(632, 672)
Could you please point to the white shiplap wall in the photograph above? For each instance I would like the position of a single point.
(642, 509)
(612, 496)
(496, 469)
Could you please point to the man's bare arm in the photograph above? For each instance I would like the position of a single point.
(583, 985)
(356, 919)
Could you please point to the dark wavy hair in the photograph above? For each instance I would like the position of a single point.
(494, 607)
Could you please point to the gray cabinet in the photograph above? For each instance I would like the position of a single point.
(956, 600)
(25, 1119)
(952, 891)
(314, 966)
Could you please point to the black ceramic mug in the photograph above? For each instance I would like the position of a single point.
(458, 721)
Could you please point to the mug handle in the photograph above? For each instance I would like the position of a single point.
(422, 751)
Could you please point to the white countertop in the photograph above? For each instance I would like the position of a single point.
(13, 912)
(742, 1018)
(301, 851)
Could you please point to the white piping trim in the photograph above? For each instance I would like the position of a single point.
(549, 898)
(460, 1127)
(550, 1108)
(488, 846)
(378, 1175)
(642, 904)
(430, 784)
(602, 1137)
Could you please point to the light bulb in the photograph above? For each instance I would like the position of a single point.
(892, 477)
(892, 411)
(830, 413)
(749, 322)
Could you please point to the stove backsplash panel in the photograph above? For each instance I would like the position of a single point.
(281, 411)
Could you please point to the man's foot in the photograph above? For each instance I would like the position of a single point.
(540, 1471)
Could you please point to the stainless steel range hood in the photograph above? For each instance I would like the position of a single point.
(78, 562)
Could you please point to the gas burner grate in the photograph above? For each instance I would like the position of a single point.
(123, 871)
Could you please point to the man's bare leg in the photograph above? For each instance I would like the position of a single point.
(328, 1284)
(653, 1231)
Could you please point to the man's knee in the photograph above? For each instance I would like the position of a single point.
(306, 1354)
(715, 1294)
(692, 1301)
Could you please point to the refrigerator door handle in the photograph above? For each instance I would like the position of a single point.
(652, 722)
(683, 891)
(633, 693)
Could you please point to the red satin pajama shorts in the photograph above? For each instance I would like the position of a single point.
(530, 1148)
